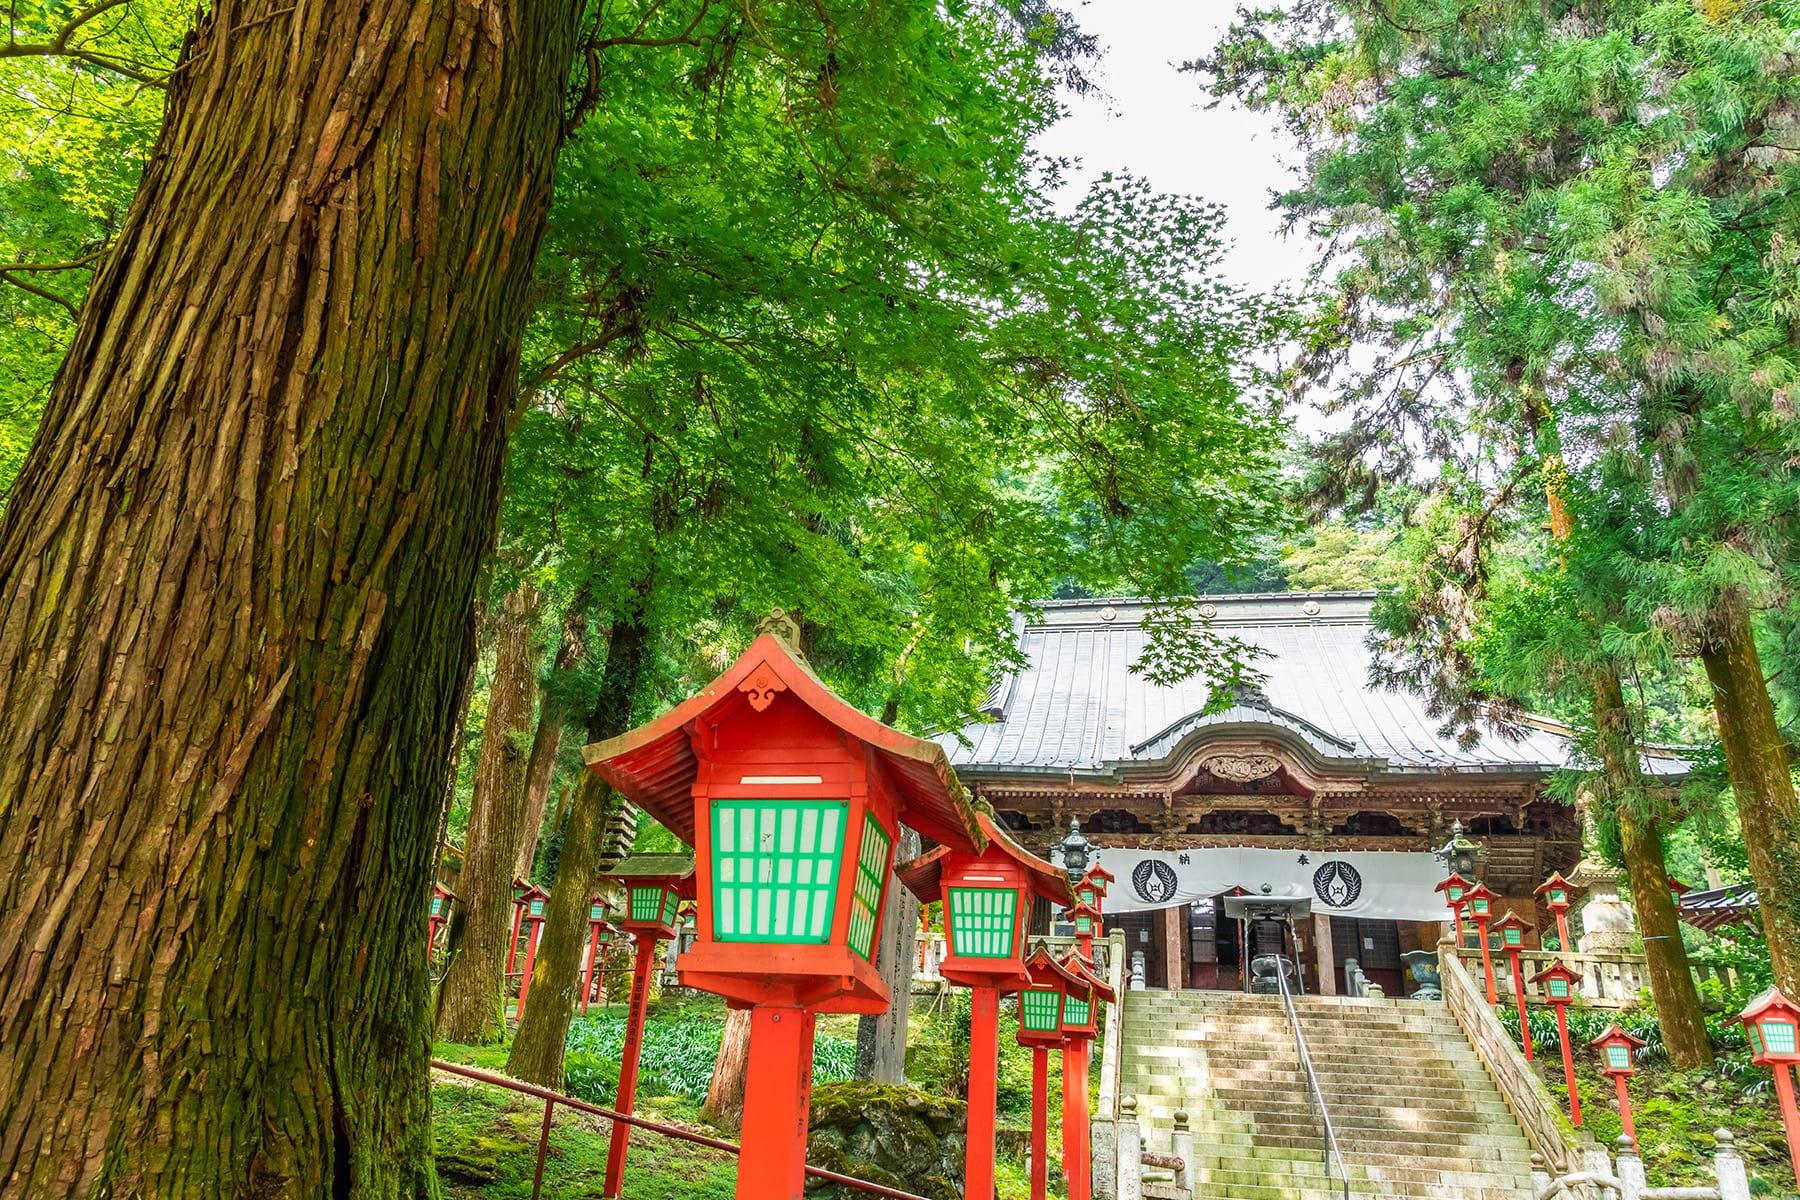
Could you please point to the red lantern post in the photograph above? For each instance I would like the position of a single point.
(1481, 906)
(1772, 1022)
(600, 936)
(1455, 889)
(520, 887)
(1561, 986)
(1041, 1002)
(1088, 926)
(792, 799)
(1080, 1025)
(1558, 894)
(653, 886)
(1512, 928)
(530, 918)
(443, 900)
(987, 898)
(1616, 1063)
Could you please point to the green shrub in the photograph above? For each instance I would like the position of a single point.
(680, 1049)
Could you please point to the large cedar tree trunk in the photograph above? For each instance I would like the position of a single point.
(235, 583)
(1760, 781)
(1671, 981)
(472, 997)
(537, 1049)
(724, 1105)
(553, 712)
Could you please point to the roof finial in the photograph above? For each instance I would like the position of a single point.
(783, 628)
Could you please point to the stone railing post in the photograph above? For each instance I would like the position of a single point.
(1181, 1145)
(1540, 1174)
(1728, 1168)
(1630, 1169)
(1131, 1151)
(1137, 971)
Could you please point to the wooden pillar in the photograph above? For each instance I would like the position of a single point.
(1326, 953)
(1174, 936)
(1077, 1169)
(777, 1100)
(1040, 1122)
(626, 1098)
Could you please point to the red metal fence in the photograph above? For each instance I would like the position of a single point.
(552, 1099)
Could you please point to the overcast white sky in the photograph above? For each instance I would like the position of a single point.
(1153, 122)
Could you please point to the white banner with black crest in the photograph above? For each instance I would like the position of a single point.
(1376, 884)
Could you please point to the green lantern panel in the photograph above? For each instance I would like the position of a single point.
(1618, 1057)
(670, 903)
(1085, 895)
(437, 906)
(871, 876)
(1075, 1012)
(597, 912)
(775, 869)
(1040, 1011)
(1084, 925)
(1559, 989)
(1558, 896)
(1778, 1036)
(1455, 894)
(1514, 937)
(536, 908)
(1756, 1042)
(981, 921)
(1481, 907)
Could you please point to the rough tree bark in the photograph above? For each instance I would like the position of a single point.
(553, 713)
(235, 582)
(881, 1038)
(537, 1049)
(1678, 1008)
(472, 997)
(1761, 780)
(724, 1105)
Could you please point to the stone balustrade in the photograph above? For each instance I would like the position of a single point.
(1624, 1178)
(1611, 979)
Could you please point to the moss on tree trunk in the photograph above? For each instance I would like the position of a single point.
(537, 1049)
(553, 712)
(236, 574)
(1671, 981)
(472, 996)
(1761, 780)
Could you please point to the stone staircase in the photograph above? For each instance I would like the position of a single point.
(1416, 1114)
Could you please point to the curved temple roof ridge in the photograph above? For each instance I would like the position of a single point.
(1076, 707)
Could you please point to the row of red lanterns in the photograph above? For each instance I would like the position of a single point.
(1771, 1021)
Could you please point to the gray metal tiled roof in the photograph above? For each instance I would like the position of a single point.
(1077, 706)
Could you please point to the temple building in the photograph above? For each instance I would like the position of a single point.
(1318, 785)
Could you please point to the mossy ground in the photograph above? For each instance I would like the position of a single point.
(1676, 1112)
(486, 1137)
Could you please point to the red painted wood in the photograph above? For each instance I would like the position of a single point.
(777, 1100)
(512, 947)
(1624, 1090)
(984, 1072)
(1040, 1122)
(1519, 996)
(1790, 1118)
(533, 929)
(643, 964)
(1076, 1150)
(1487, 960)
(1562, 1032)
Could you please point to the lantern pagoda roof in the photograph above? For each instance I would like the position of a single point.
(1614, 1034)
(1766, 999)
(1511, 918)
(1455, 880)
(1556, 970)
(1046, 971)
(667, 870)
(923, 876)
(655, 765)
(1556, 881)
(1102, 990)
(1100, 873)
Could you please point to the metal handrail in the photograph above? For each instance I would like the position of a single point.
(552, 1099)
(1315, 1098)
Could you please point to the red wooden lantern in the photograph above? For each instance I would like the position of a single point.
(600, 936)
(443, 902)
(1455, 890)
(1049, 987)
(653, 887)
(1481, 907)
(792, 799)
(519, 888)
(1561, 986)
(1616, 1049)
(1089, 925)
(1772, 1023)
(1558, 895)
(1093, 887)
(1512, 929)
(986, 899)
(1080, 1024)
(529, 916)
(1677, 890)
